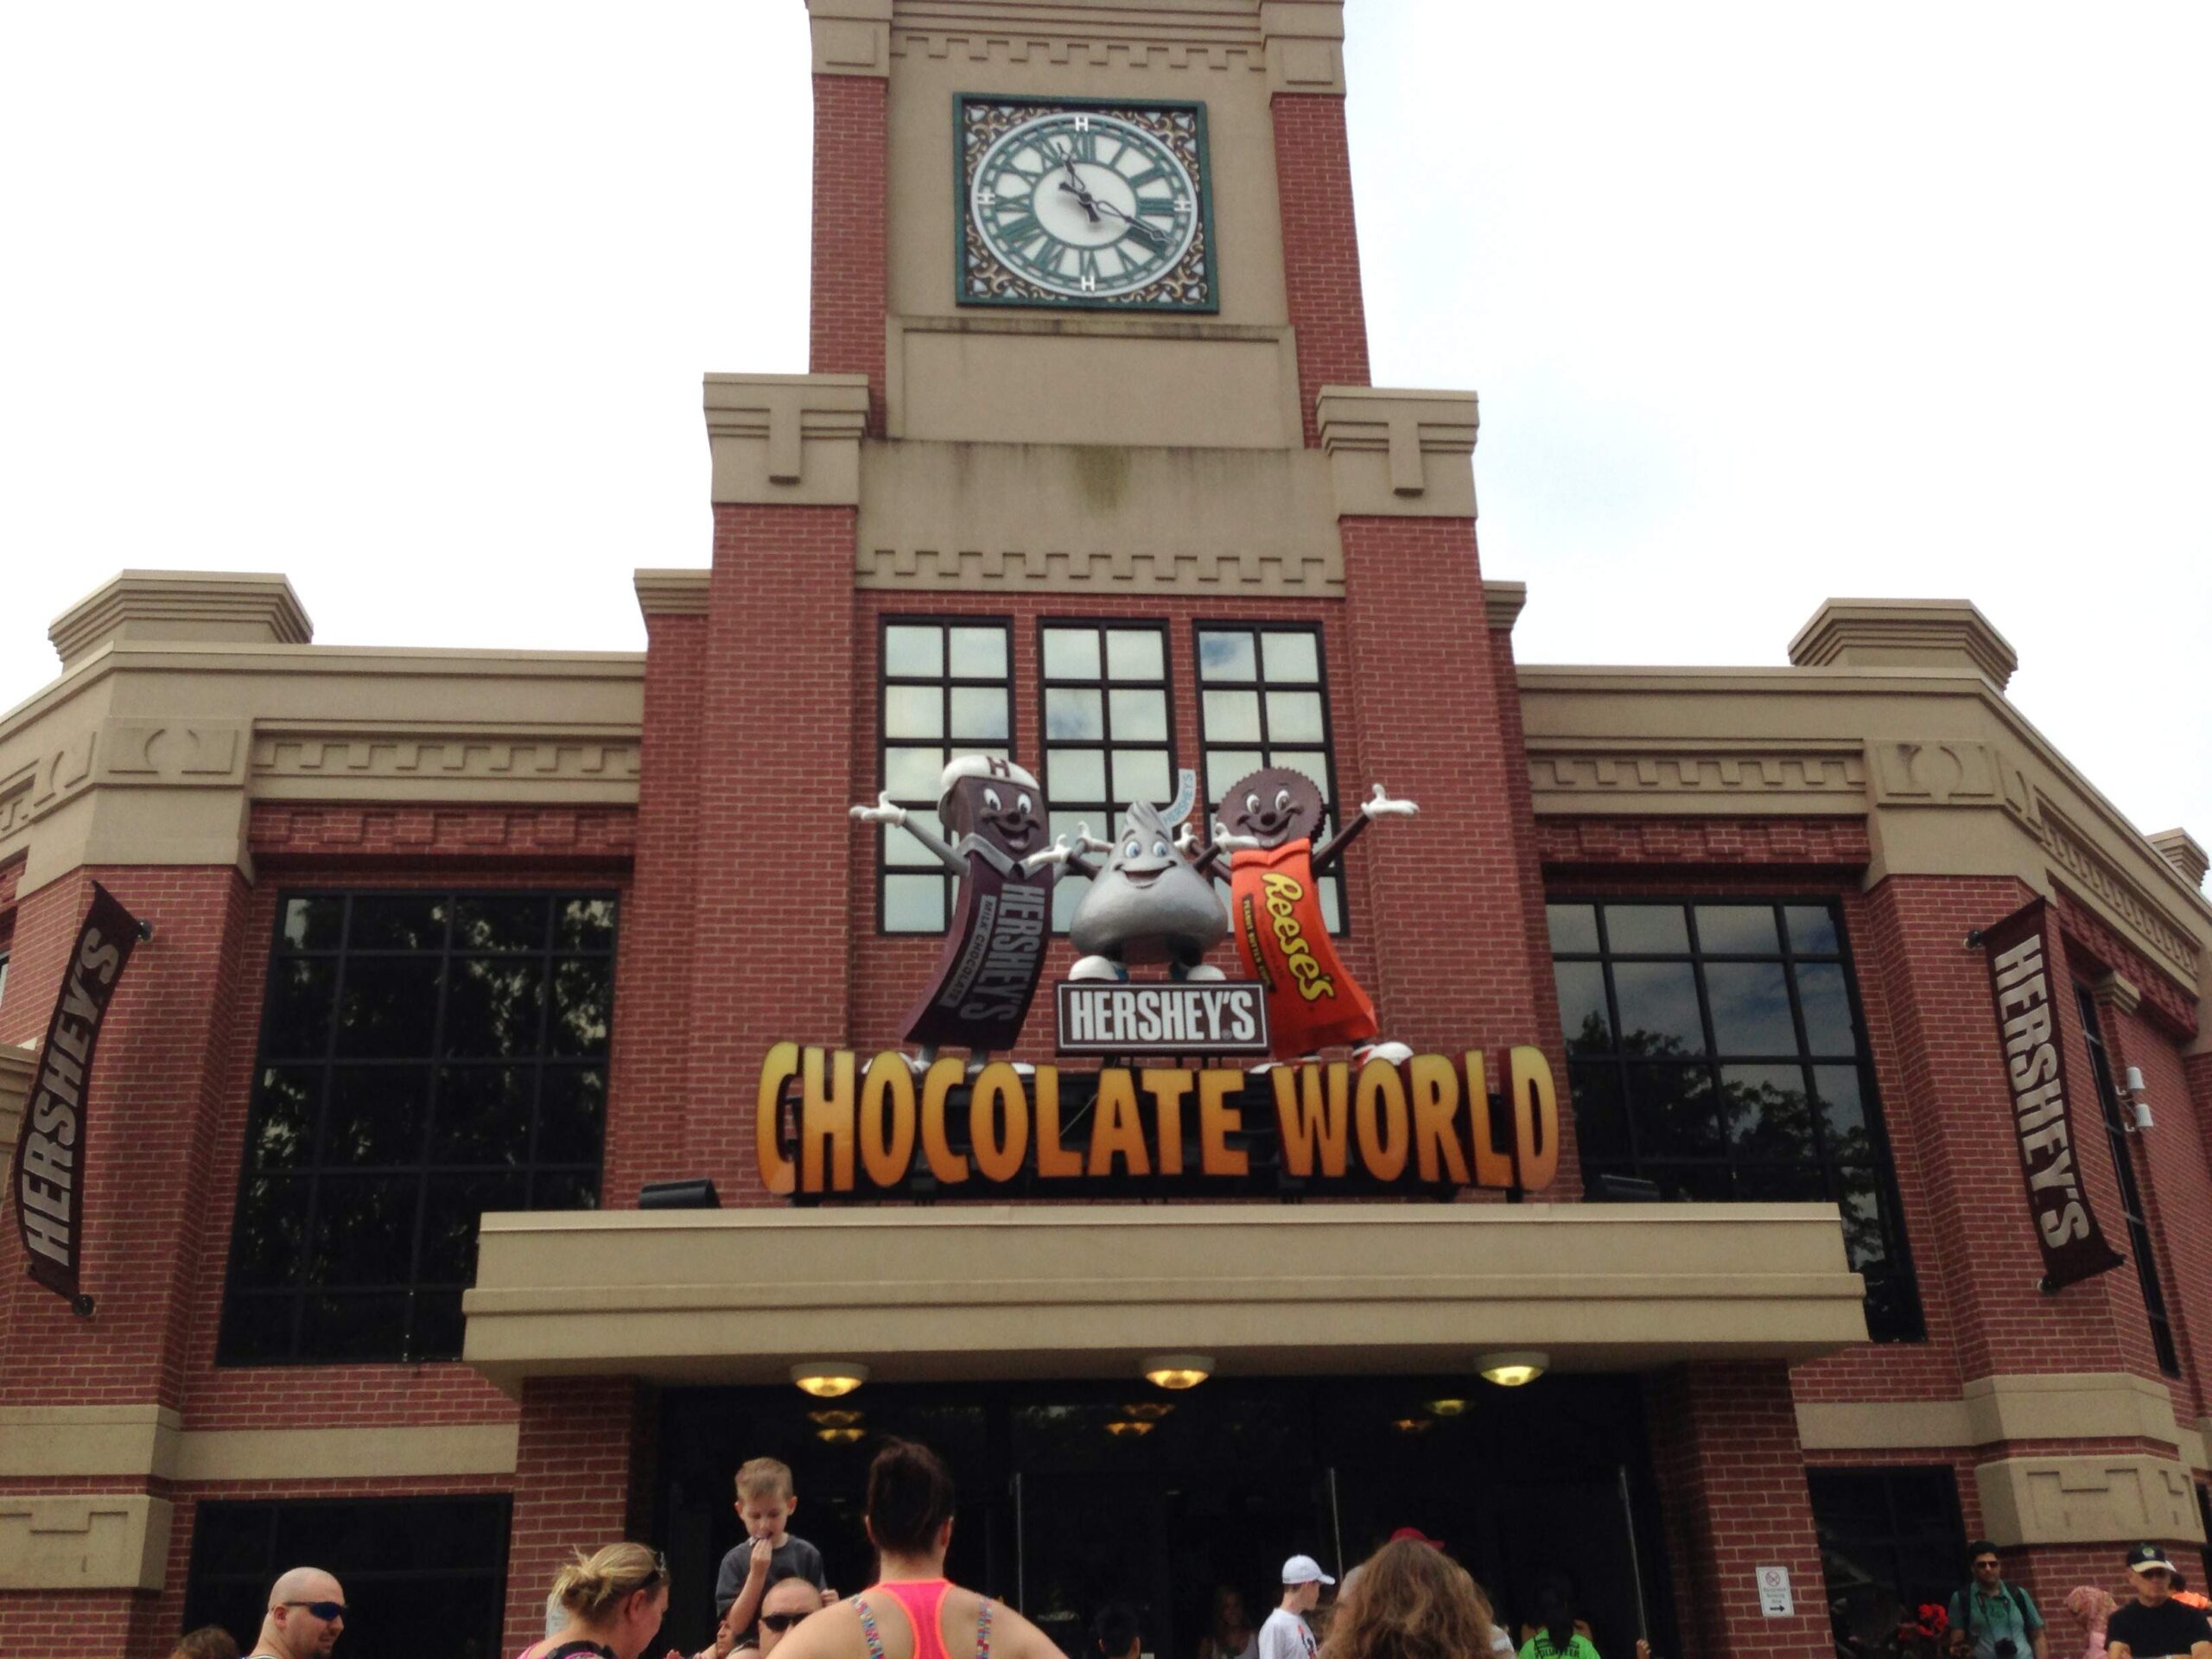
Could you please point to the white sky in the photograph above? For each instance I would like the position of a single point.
(1764, 302)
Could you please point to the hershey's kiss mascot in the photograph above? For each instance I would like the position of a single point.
(993, 810)
(1148, 902)
(1269, 825)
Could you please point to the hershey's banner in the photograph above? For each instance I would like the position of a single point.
(50, 1147)
(2074, 1248)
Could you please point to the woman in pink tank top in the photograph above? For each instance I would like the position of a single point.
(914, 1611)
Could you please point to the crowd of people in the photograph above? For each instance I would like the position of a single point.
(1408, 1600)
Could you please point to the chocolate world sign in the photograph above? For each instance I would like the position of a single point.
(832, 1125)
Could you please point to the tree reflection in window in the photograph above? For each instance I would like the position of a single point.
(1715, 1049)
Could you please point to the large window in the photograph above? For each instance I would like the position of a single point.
(947, 691)
(1892, 1543)
(1716, 1050)
(1263, 703)
(421, 1574)
(2118, 1119)
(425, 1057)
(1108, 738)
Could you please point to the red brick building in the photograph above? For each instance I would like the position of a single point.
(453, 955)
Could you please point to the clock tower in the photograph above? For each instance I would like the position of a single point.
(1088, 357)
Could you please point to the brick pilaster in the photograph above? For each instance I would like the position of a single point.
(1320, 247)
(848, 295)
(574, 1486)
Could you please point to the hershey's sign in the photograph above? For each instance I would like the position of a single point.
(2074, 1247)
(1179, 1017)
(49, 1184)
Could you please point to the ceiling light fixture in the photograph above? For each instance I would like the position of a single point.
(1446, 1408)
(1178, 1371)
(835, 1419)
(1147, 1411)
(1513, 1371)
(837, 1436)
(1120, 1427)
(827, 1379)
(1414, 1425)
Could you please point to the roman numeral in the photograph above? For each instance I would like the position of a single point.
(1019, 227)
(1148, 176)
(1160, 204)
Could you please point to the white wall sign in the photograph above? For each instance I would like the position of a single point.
(1774, 1598)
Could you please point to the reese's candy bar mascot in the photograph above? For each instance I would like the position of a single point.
(1269, 821)
(994, 812)
(1148, 902)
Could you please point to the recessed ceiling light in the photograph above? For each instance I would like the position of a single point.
(1515, 1370)
(827, 1379)
(1179, 1370)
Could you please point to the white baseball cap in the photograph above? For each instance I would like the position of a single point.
(984, 766)
(1304, 1569)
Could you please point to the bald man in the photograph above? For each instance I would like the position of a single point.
(307, 1614)
(783, 1605)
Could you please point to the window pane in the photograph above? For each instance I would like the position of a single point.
(1750, 1008)
(284, 1118)
(1067, 893)
(1071, 654)
(913, 711)
(495, 1007)
(1332, 904)
(1658, 1004)
(977, 654)
(1141, 775)
(1226, 656)
(1646, 930)
(377, 1115)
(364, 1230)
(979, 713)
(1781, 1184)
(1812, 929)
(313, 923)
(1294, 717)
(900, 848)
(1293, 657)
(1826, 1003)
(583, 1002)
(483, 1115)
(1600, 1119)
(1139, 717)
(913, 904)
(915, 651)
(1574, 927)
(1076, 775)
(1072, 712)
(571, 1114)
(298, 1021)
(1232, 717)
(271, 1241)
(1588, 1027)
(1135, 654)
(389, 1005)
(583, 925)
(504, 922)
(1843, 1115)
(337, 1328)
(1766, 1112)
(1226, 767)
(1674, 1111)
(1313, 764)
(450, 1211)
(397, 921)
(1737, 931)
(912, 774)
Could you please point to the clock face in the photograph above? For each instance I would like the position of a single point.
(1085, 205)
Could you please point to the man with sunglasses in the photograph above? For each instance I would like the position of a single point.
(2156, 1627)
(783, 1604)
(307, 1615)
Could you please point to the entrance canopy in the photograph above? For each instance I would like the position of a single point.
(958, 1292)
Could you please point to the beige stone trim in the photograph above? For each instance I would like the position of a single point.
(2096, 1405)
(451, 760)
(1188, 35)
(1905, 633)
(1503, 602)
(247, 607)
(1017, 1290)
(2116, 990)
(850, 37)
(100, 1541)
(1406, 454)
(1883, 1425)
(786, 438)
(1716, 776)
(2180, 848)
(1089, 518)
(81, 1441)
(1305, 45)
(2093, 872)
(2087, 1500)
(671, 593)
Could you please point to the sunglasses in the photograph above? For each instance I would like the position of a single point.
(327, 1612)
(781, 1622)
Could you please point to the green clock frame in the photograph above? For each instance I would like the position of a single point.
(1197, 272)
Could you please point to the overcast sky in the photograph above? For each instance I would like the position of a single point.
(1764, 303)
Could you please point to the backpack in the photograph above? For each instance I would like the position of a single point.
(2014, 1597)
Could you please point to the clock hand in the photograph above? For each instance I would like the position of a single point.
(1090, 203)
(1158, 241)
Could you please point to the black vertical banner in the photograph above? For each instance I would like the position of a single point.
(49, 1188)
(2074, 1247)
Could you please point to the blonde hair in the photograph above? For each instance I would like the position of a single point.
(592, 1588)
(764, 1477)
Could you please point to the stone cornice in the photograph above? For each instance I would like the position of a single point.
(786, 438)
(1905, 633)
(1503, 602)
(671, 593)
(235, 607)
(1395, 452)
(1226, 35)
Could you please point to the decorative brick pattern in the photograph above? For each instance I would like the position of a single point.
(402, 835)
(849, 295)
(1810, 844)
(1320, 247)
(2094, 948)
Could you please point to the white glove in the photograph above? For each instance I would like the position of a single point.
(1379, 805)
(882, 811)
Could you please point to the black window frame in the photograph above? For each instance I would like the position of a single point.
(1921, 1508)
(224, 1591)
(1907, 1321)
(2120, 1136)
(1335, 891)
(947, 682)
(1108, 813)
(568, 1182)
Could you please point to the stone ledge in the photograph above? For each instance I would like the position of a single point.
(2116, 1499)
(1504, 601)
(1400, 453)
(96, 1541)
(786, 438)
(1905, 633)
(2179, 849)
(671, 593)
(1305, 45)
(850, 37)
(84, 1442)
(250, 607)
